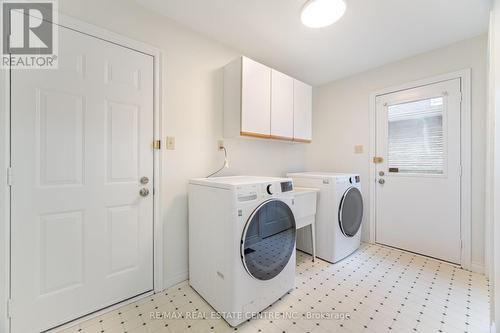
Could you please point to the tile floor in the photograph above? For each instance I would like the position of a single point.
(380, 290)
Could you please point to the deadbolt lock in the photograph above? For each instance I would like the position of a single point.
(144, 180)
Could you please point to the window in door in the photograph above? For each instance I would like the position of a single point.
(416, 137)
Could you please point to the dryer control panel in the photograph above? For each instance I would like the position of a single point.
(286, 186)
(252, 192)
(282, 187)
(354, 179)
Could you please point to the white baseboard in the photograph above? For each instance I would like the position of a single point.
(176, 278)
(477, 267)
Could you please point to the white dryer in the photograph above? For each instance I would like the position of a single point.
(241, 243)
(339, 214)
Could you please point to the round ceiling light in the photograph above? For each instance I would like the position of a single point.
(322, 13)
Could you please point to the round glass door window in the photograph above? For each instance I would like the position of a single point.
(268, 240)
(351, 212)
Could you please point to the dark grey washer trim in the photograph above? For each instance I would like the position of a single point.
(247, 225)
(341, 207)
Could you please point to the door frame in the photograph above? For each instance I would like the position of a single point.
(158, 162)
(465, 158)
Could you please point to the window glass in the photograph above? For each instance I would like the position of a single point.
(416, 139)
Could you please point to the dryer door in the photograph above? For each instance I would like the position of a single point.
(268, 239)
(351, 212)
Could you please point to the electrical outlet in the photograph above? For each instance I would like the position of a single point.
(170, 142)
(358, 149)
(220, 144)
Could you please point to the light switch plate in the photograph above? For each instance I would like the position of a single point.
(358, 149)
(170, 142)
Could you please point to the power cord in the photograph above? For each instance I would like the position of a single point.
(225, 165)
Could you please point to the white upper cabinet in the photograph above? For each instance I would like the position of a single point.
(281, 106)
(247, 99)
(261, 102)
(302, 115)
(255, 98)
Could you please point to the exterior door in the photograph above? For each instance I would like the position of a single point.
(82, 236)
(418, 177)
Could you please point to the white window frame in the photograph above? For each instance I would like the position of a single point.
(159, 165)
(465, 159)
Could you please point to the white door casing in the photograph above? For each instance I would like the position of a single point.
(420, 212)
(81, 140)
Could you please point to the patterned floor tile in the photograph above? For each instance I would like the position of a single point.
(375, 290)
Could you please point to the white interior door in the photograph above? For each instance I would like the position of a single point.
(82, 236)
(418, 181)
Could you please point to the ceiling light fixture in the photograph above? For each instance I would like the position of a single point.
(322, 13)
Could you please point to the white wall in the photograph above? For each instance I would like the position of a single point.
(192, 110)
(341, 119)
(493, 191)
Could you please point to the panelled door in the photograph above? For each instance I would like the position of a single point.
(82, 233)
(418, 179)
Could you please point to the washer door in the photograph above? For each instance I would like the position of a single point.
(268, 239)
(351, 212)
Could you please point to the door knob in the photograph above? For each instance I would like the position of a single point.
(144, 192)
(381, 181)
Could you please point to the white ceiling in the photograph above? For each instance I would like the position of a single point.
(371, 33)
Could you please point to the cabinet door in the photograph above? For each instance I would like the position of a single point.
(255, 99)
(281, 106)
(302, 115)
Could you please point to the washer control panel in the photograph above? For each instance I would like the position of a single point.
(286, 186)
(248, 193)
(354, 180)
(269, 189)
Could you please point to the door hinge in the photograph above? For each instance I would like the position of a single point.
(378, 159)
(157, 144)
(9, 176)
(9, 308)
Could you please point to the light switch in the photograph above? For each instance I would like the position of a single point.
(358, 149)
(171, 142)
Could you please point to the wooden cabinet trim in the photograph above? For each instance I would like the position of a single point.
(282, 138)
(256, 135)
(302, 140)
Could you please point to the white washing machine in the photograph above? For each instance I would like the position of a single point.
(241, 243)
(339, 214)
